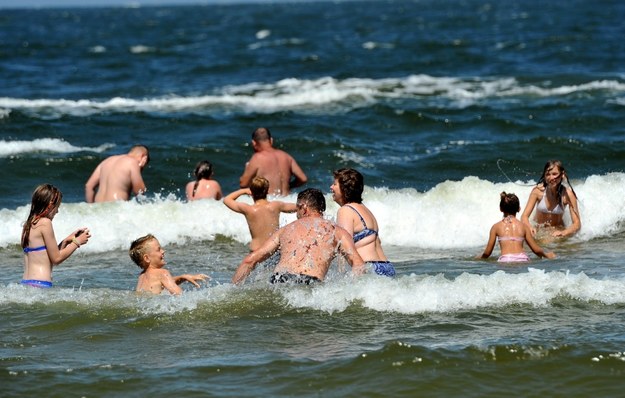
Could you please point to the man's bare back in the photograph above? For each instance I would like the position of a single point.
(307, 246)
(116, 177)
(275, 165)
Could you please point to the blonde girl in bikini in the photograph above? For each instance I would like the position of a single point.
(41, 251)
(511, 233)
(550, 197)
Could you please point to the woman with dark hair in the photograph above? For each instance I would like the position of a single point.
(358, 220)
(550, 197)
(204, 187)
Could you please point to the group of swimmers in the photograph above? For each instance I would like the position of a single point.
(549, 198)
(312, 242)
(308, 245)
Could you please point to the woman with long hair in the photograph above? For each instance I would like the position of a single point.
(550, 197)
(41, 251)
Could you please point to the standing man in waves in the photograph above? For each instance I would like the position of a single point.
(116, 177)
(275, 165)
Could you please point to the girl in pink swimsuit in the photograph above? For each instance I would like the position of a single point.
(511, 233)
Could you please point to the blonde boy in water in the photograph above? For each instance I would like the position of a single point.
(511, 233)
(148, 254)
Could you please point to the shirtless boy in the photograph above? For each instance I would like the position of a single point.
(148, 254)
(263, 217)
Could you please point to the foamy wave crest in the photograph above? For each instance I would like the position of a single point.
(93, 298)
(114, 225)
(618, 101)
(412, 294)
(325, 94)
(459, 214)
(452, 215)
(406, 294)
(48, 145)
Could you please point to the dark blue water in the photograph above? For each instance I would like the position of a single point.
(440, 104)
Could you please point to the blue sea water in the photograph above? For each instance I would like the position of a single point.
(440, 104)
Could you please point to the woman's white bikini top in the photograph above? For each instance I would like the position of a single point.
(542, 207)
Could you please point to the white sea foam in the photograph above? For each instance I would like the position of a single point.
(310, 95)
(97, 49)
(141, 49)
(48, 145)
(263, 34)
(410, 294)
(618, 101)
(102, 298)
(114, 225)
(453, 214)
(405, 294)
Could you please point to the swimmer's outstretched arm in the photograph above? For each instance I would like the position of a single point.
(191, 279)
(251, 260)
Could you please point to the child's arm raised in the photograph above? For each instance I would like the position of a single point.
(231, 200)
(286, 207)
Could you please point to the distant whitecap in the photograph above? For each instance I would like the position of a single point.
(141, 49)
(262, 34)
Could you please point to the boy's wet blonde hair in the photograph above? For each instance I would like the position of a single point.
(138, 249)
(259, 188)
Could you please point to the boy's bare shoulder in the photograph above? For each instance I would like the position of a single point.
(156, 272)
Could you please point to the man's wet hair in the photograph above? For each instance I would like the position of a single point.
(261, 134)
(313, 198)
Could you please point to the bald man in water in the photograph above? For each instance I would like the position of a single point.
(116, 177)
(275, 165)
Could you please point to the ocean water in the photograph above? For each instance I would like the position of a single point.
(440, 104)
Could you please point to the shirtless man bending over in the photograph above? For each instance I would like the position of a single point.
(275, 165)
(117, 176)
(307, 246)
